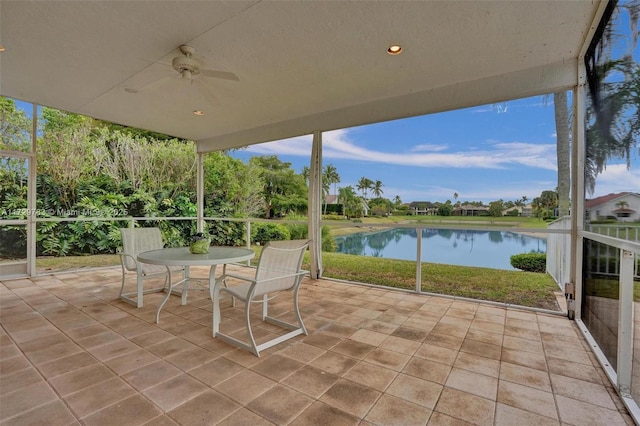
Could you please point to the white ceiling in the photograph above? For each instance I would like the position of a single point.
(302, 65)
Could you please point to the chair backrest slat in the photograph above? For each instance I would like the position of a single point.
(137, 240)
(280, 259)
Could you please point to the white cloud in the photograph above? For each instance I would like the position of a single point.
(617, 178)
(429, 147)
(498, 155)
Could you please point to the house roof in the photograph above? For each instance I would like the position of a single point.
(595, 202)
(289, 67)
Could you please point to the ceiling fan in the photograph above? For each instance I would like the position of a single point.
(189, 68)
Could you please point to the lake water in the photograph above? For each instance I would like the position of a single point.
(489, 249)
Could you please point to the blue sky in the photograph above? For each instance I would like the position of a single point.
(484, 153)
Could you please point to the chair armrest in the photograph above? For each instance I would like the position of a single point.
(240, 277)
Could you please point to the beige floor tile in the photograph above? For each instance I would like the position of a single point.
(436, 353)
(473, 383)
(381, 327)
(577, 371)
(321, 340)
(353, 348)
(369, 337)
(27, 398)
(389, 410)
(409, 333)
(522, 332)
(216, 371)
(18, 380)
(574, 412)
(486, 350)
(525, 376)
(440, 419)
(81, 378)
(351, 397)
(206, 408)
(581, 390)
(427, 370)
(526, 359)
(507, 415)
(170, 394)
(371, 375)
(526, 345)
(567, 352)
(131, 361)
(416, 390)
(191, 358)
(466, 407)
(280, 405)
(96, 397)
(450, 329)
(444, 340)
(150, 375)
(320, 413)
(527, 398)
(245, 417)
(245, 387)
(54, 352)
(334, 363)
(277, 367)
(311, 381)
(388, 359)
(52, 413)
(402, 345)
(135, 410)
(482, 365)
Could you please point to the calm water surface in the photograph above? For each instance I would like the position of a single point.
(489, 249)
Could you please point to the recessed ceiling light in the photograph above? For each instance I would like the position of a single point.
(1, 48)
(394, 49)
(198, 112)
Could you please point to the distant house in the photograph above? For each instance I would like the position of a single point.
(524, 211)
(623, 206)
(331, 199)
(423, 208)
(470, 210)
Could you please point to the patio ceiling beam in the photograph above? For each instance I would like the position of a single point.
(500, 88)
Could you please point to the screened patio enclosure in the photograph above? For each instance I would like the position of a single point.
(277, 70)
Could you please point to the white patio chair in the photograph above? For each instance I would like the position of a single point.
(135, 241)
(278, 270)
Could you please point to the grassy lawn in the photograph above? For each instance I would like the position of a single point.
(513, 287)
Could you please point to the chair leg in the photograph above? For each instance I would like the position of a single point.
(215, 298)
(247, 314)
(296, 309)
(140, 287)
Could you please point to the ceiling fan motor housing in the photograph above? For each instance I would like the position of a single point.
(184, 63)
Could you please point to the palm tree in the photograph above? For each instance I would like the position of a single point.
(377, 189)
(563, 142)
(332, 176)
(306, 173)
(614, 110)
(397, 200)
(364, 184)
(622, 204)
(350, 201)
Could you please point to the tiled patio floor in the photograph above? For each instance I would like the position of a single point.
(72, 353)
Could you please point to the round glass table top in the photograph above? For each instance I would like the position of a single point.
(181, 256)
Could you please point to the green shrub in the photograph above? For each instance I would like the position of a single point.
(264, 232)
(530, 262)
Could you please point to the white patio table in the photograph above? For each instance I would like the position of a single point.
(181, 256)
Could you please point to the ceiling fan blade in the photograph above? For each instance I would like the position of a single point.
(219, 74)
